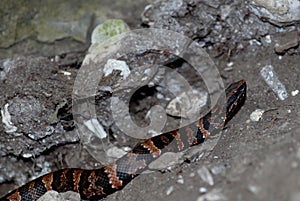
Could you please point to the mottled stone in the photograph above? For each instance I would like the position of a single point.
(279, 12)
(107, 30)
(55, 196)
(286, 41)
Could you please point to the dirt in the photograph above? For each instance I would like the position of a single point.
(252, 160)
(259, 159)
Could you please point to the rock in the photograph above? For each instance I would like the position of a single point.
(180, 179)
(6, 120)
(142, 56)
(30, 101)
(205, 175)
(221, 26)
(167, 160)
(256, 115)
(187, 104)
(75, 27)
(55, 196)
(254, 189)
(286, 41)
(107, 30)
(31, 116)
(202, 190)
(113, 64)
(271, 78)
(58, 27)
(217, 170)
(169, 190)
(278, 12)
(214, 195)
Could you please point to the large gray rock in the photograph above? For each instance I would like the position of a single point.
(278, 12)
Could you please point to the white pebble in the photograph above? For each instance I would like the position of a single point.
(205, 175)
(6, 120)
(180, 179)
(202, 190)
(169, 190)
(217, 170)
(192, 174)
(214, 195)
(230, 64)
(65, 72)
(256, 115)
(268, 39)
(27, 155)
(271, 78)
(254, 189)
(113, 64)
(294, 93)
(159, 96)
(56, 58)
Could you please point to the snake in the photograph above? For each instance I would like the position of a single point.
(96, 184)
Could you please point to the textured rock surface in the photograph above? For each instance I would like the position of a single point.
(279, 12)
(34, 28)
(54, 196)
(217, 25)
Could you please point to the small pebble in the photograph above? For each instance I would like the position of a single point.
(228, 69)
(169, 190)
(256, 115)
(65, 72)
(192, 174)
(27, 155)
(217, 170)
(214, 195)
(205, 175)
(230, 64)
(113, 64)
(268, 39)
(294, 93)
(294, 165)
(56, 58)
(159, 96)
(254, 189)
(180, 179)
(202, 190)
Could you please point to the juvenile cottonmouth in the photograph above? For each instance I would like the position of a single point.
(98, 183)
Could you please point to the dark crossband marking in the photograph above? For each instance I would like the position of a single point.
(111, 170)
(47, 181)
(98, 183)
(149, 144)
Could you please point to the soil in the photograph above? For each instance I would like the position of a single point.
(256, 160)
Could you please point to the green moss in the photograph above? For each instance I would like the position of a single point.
(108, 29)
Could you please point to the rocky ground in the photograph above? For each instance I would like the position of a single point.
(252, 160)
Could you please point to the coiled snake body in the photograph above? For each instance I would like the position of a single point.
(98, 183)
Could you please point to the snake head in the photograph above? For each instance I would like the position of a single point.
(235, 96)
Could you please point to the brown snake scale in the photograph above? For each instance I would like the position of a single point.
(98, 183)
